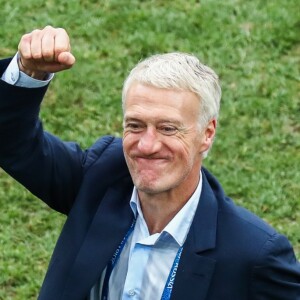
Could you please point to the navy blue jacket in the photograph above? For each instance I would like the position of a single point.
(229, 253)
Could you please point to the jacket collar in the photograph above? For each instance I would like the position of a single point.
(195, 270)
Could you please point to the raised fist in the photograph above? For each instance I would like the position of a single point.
(45, 51)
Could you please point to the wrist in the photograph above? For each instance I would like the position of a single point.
(39, 75)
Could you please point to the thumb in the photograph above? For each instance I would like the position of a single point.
(66, 58)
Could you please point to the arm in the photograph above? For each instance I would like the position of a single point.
(49, 168)
(277, 275)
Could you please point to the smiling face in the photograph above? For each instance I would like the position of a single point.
(162, 142)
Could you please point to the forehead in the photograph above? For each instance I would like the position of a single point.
(145, 99)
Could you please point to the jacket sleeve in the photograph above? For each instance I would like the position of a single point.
(51, 169)
(277, 274)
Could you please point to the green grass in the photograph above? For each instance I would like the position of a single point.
(254, 47)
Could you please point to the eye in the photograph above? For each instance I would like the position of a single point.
(134, 127)
(167, 129)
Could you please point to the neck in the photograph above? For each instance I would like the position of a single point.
(158, 213)
(160, 209)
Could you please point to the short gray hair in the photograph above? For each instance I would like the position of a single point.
(180, 71)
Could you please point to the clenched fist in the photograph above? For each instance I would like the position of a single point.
(45, 51)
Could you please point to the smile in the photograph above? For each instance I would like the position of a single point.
(150, 161)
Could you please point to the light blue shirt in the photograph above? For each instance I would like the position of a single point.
(146, 260)
(14, 76)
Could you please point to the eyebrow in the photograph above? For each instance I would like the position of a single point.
(126, 119)
(169, 120)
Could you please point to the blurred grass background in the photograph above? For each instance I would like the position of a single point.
(253, 45)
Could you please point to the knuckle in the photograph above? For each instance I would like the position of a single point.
(49, 30)
(25, 39)
(61, 30)
(36, 32)
(62, 33)
(48, 27)
(46, 53)
(26, 55)
(60, 48)
(36, 55)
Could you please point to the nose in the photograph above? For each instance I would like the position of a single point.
(149, 142)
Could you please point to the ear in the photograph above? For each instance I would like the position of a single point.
(208, 135)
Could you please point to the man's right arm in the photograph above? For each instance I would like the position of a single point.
(48, 167)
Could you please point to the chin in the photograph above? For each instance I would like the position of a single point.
(147, 187)
(152, 188)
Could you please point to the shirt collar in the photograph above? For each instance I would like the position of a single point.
(179, 226)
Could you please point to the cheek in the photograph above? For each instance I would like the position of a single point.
(188, 154)
(129, 140)
(186, 147)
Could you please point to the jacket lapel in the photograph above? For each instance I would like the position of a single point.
(195, 270)
(109, 226)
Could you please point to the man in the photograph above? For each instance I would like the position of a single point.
(145, 220)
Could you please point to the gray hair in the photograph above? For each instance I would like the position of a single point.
(180, 71)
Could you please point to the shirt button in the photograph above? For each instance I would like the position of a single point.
(131, 293)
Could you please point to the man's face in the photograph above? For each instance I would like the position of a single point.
(161, 140)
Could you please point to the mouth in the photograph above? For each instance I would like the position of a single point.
(150, 161)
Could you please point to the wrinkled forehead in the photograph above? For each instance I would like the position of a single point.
(159, 103)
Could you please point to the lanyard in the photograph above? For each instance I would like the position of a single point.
(114, 260)
(170, 281)
(166, 295)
